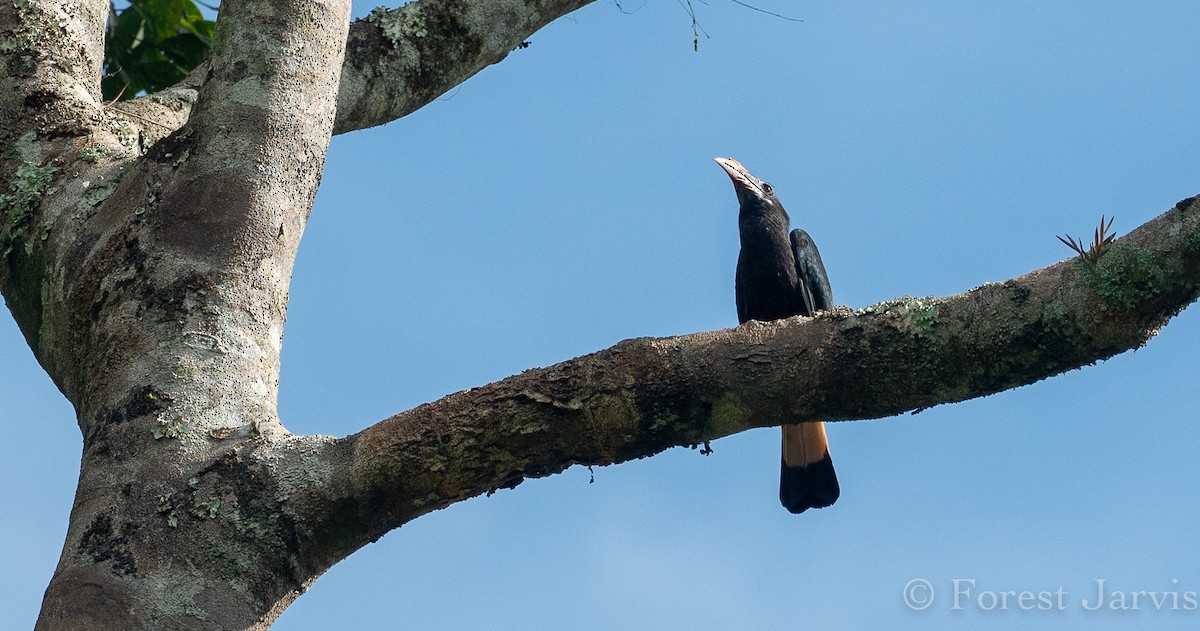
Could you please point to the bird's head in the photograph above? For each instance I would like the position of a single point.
(751, 191)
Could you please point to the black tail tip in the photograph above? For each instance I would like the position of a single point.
(811, 486)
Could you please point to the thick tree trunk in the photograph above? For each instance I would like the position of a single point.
(159, 310)
(146, 253)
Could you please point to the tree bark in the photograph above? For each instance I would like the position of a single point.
(146, 250)
(151, 281)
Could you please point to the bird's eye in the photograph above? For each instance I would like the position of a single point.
(767, 188)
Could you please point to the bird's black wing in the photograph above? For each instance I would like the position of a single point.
(814, 288)
(739, 294)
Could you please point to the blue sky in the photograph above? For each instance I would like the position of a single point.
(566, 199)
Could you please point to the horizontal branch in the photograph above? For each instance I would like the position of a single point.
(646, 395)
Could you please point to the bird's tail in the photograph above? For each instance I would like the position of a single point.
(806, 478)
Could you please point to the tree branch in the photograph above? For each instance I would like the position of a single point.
(53, 53)
(261, 121)
(220, 202)
(398, 60)
(51, 115)
(395, 62)
(646, 395)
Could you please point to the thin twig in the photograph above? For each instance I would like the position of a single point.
(752, 7)
(696, 28)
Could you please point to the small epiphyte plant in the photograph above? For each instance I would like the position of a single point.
(1101, 239)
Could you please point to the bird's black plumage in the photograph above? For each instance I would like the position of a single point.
(780, 275)
(812, 281)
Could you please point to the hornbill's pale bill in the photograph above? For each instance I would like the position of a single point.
(780, 275)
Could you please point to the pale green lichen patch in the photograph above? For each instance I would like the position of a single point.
(173, 426)
(914, 316)
(96, 192)
(209, 507)
(126, 134)
(1193, 242)
(30, 183)
(167, 428)
(179, 591)
(166, 507)
(38, 27)
(664, 421)
(28, 148)
(93, 153)
(400, 24)
(729, 414)
(611, 419)
(1126, 275)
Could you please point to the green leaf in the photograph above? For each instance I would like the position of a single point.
(153, 44)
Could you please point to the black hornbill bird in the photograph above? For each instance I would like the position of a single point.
(780, 275)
